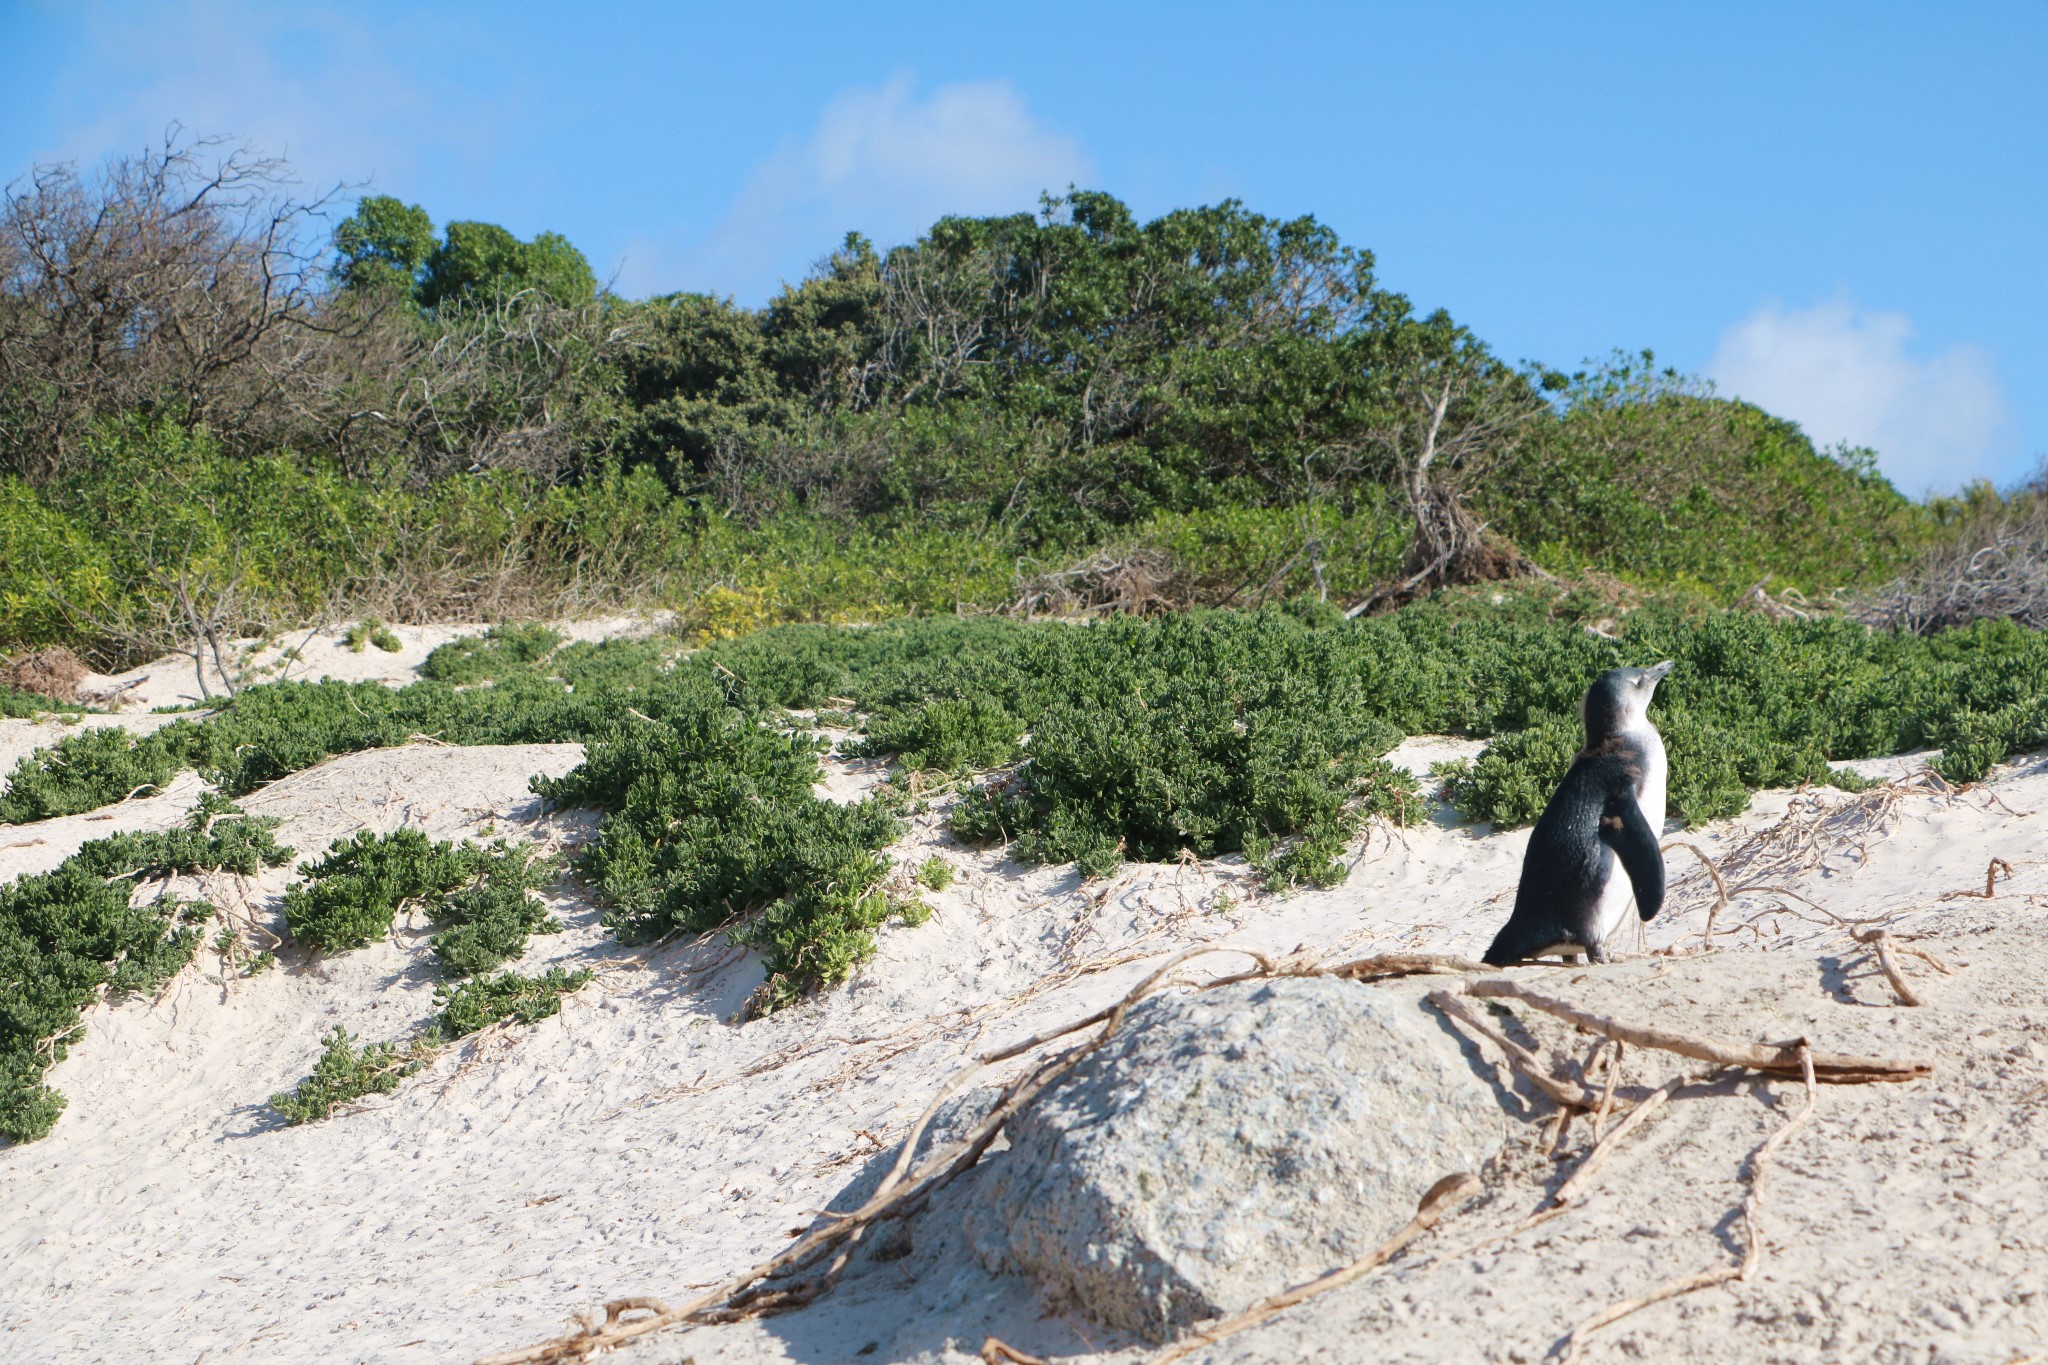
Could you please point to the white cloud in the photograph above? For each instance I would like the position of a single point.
(311, 83)
(1936, 419)
(883, 161)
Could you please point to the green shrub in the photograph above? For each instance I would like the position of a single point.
(499, 651)
(87, 770)
(1211, 732)
(935, 873)
(487, 1000)
(18, 705)
(345, 1073)
(486, 924)
(217, 837)
(69, 934)
(371, 632)
(711, 819)
(351, 896)
(950, 734)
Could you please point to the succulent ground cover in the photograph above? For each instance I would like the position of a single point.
(350, 1069)
(481, 900)
(1257, 733)
(79, 932)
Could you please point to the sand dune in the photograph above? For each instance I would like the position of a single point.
(643, 1143)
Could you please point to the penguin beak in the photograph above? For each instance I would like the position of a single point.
(1657, 671)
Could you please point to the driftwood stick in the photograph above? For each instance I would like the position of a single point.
(996, 1351)
(1881, 942)
(1720, 887)
(1753, 1254)
(1401, 964)
(1704, 1280)
(1759, 1166)
(1776, 1058)
(1569, 1094)
(1434, 1205)
(1607, 1089)
(1582, 1178)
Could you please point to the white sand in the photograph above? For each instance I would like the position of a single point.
(642, 1143)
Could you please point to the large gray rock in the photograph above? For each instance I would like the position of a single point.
(1226, 1144)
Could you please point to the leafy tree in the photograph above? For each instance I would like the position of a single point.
(384, 245)
(483, 259)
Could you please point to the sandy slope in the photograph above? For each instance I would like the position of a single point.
(642, 1143)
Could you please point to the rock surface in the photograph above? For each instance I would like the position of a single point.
(1226, 1144)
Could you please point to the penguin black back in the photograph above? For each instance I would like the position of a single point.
(1608, 809)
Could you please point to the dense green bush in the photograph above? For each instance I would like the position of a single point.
(481, 896)
(712, 821)
(216, 837)
(1646, 475)
(350, 896)
(499, 650)
(1752, 703)
(949, 734)
(85, 771)
(18, 705)
(69, 935)
(485, 924)
(345, 1073)
(506, 997)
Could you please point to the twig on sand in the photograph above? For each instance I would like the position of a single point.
(1881, 943)
(1570, 1094)
(1720, 887)
(1990, 883)
(1582, 1179)
(1753, 1255)
(995, 1351)
(1778, 1058)
(1401, 964)
(1440, 1198)
(1607, 1090)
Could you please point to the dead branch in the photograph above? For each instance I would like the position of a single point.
(1435, 1203)
(1568, 1094)
(1752, 1257)
(1881, 942)
(1582, 1179)
(1607, 1090)
(1777, 1058)
(1401, 964)
(1990, 890)
(1720, 887)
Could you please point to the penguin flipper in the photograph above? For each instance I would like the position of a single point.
(1625, 829)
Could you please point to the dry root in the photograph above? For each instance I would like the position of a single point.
(1133, 581)
(1441, 1197)
(1781, 1059)
(1753, 1255)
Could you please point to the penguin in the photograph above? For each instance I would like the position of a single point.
(1609, 808)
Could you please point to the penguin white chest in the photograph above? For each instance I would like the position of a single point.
(1618, 895)
(1655, 773)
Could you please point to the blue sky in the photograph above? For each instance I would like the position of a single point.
(1837, 210)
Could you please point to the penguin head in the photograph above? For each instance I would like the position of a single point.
(1620, 700)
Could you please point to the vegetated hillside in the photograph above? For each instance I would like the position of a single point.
(1204, 733)
(216, 417)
